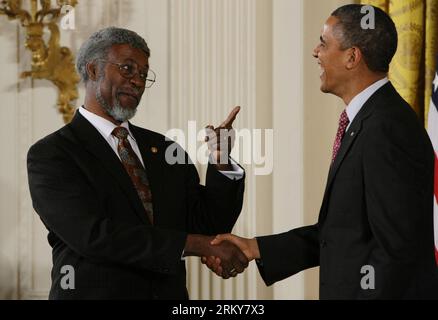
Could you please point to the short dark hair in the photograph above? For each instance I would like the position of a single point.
(377, 45)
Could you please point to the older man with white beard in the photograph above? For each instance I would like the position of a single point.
(118, 214)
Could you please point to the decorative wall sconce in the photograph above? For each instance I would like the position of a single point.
(49, 61)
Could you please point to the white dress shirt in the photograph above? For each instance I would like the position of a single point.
(359, 100)
(106, 127)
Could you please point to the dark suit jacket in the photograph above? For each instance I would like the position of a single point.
(377, 211)
(97, 223)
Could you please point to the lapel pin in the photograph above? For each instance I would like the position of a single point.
(154, 150)
(352, 134)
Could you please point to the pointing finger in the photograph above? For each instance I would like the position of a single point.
(231, 117)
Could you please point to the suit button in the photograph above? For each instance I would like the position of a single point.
(165, 270)
(154, 296)
(323, 243)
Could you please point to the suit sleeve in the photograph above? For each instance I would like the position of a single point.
(398, 175)
(285, 254)
(215, 207)
(66, 203)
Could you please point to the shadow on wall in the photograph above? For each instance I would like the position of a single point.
(7, 270)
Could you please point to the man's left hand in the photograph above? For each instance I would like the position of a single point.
(220, 141)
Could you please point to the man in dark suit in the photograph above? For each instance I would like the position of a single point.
(119, 214)
(374, 235)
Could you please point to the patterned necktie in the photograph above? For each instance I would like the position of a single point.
(343, 124)
(135, 170)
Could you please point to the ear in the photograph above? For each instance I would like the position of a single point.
(354, 57)
(92, 71)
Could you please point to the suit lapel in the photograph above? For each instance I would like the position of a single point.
(93, 141)
(347, 142)
(350, 136)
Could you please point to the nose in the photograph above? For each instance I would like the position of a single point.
(137, 81)
(315, 52)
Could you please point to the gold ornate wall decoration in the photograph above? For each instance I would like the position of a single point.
(50, 61)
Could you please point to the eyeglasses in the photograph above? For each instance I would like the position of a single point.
(129, 70)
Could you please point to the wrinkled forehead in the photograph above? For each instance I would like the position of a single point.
(126, 53)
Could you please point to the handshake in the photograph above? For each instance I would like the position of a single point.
(226, 255)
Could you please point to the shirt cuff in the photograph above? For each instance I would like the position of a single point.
(237, 172)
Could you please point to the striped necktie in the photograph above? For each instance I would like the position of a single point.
(135, 170)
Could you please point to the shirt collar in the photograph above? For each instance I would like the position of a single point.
(104, 126)
(359, 100)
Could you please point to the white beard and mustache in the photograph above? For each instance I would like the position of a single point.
(116, 111)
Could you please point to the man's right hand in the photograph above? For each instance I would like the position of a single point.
(228, 257)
